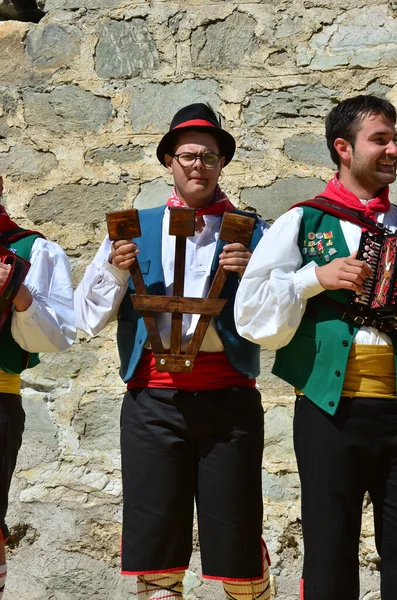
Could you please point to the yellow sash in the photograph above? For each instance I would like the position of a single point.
(370, 372)
(10, 383)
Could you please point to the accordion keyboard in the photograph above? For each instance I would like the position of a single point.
(370, 250)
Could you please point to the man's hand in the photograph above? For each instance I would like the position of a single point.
(24, 298)
(346, 273)
(235, 257)
(123, 254)
(4, 271)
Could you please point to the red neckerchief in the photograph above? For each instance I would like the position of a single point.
(220, 204)
(9, 230)
(341, 199)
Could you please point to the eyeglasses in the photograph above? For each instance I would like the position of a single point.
(208, 159)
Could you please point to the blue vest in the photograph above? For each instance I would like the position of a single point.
(131, 331)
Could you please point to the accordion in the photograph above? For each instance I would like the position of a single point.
(18, 271)
(376, 305)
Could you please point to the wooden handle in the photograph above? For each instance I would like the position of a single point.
(182, 225)
(123, 224)
(234, 228)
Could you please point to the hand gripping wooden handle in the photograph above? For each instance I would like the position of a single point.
(124, 225)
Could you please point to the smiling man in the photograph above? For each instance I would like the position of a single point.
(294, 298)
(195, 436)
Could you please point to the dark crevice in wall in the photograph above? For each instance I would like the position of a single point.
(20, 10)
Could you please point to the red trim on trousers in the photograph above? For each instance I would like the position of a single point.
(154, 571)
(302, 589)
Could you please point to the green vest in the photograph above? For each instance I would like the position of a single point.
(316, 358)
(13, 359)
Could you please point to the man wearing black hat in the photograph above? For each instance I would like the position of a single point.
(186, 436)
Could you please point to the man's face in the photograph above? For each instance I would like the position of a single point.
(195, 185)
(374, 154)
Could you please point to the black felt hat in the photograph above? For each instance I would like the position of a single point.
(198, 117)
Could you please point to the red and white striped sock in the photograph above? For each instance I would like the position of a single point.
(152, 586)
(3, 575)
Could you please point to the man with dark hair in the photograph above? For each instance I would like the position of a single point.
(344, 120)
(185, 436)
(36, 315)
(294, 298)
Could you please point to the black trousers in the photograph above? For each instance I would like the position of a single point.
(339, 459)
(177, 447)
(12, 422)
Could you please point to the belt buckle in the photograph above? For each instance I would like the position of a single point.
(360, 321)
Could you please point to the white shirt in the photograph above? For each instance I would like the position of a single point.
(274, 290)
(103, 287)
(48, 324)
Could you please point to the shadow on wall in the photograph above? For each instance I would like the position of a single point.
(20, 10)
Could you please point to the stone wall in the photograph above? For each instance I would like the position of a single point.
(85, 95)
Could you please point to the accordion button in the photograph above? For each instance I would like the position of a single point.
(337, 373)
(345, 343)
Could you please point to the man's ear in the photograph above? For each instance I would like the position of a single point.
(168, 163)
(344, 149)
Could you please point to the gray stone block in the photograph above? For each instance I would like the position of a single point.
(303, 102)
(97, 423)
(52, 46)
(74, 203)
(118, 154)
(272, 201)
(67, 109)
(40, 431)
(125, 49)
(377, 88)
(308, 148)
(8, 100)
(154, 193)
(145, 114)
(26, 163)
(360, 37)
(280, 486)
(278, 434)
(225, 44)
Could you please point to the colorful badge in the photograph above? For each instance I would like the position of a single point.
(311, 235)
(328, 235)
(320, 246)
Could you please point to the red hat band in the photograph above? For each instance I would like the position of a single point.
(194, 123)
